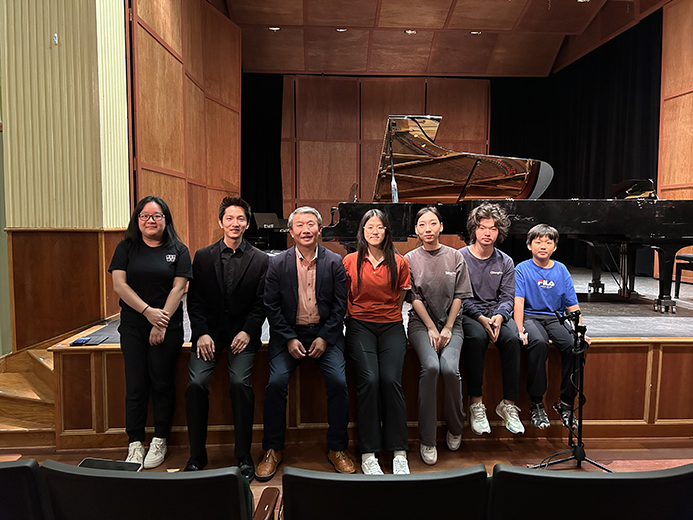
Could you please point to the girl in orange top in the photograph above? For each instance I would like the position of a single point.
(377, 277)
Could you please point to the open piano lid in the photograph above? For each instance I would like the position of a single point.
(428, 173)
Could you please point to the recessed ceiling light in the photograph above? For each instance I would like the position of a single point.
(274, 29)
(409, 32)
(582, 1)
(340, 29)
(474, 32)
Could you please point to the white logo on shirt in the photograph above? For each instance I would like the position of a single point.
(451, 273)
(170, 258)
(496, 272)
(546, 284)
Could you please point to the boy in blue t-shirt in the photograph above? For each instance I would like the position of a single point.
(543, 286)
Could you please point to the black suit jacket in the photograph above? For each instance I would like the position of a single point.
(206, 295)
(281, 297)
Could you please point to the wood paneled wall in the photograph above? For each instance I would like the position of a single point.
(187, 110)
(631, 384)
(675, 180)
(333, 128)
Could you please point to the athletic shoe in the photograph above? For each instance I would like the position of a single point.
(429, 454)
(370, 466)
(155, 455)
(135, 452)
(400, 466)
(567, 416)
(453, 441)
(477, 418)
(539, 418)
(511, 418)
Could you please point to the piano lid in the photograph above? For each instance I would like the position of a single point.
(428, 173)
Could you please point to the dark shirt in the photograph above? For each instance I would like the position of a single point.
(230, 259)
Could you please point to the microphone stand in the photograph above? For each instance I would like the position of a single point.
(575, 445)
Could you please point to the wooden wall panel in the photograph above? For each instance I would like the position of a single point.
(326, 170)
(76, 391)
(172, 190)
(370, 162)
(50, 267)
(677, 48)
(327, 108)
(199, 219)
(676, 149)
(192, 39)
(164, 16)
(114, 381)
(288, 109)
(381, 97)
(195, 152)
(223, 152)
(464, 103)
(675, 400)
(214, 198)
(159, 104)
(288, 174)
(222, 58)
(111, 240)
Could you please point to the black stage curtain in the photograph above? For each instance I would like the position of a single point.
(596, 121)
(261, 127)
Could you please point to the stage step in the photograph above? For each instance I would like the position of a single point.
(25, 397)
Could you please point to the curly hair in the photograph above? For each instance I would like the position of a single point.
(490, 211)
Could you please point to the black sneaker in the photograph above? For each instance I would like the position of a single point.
(567, 416)
(539, 418)
(247, 467)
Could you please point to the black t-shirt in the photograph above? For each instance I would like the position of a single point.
(150, 272)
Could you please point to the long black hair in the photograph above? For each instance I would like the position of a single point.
(388, 248)
(133, 233)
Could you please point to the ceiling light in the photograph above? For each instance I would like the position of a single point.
(475, 33)
(340, 29)
(274, 29)
(409, 32)
(582, 1)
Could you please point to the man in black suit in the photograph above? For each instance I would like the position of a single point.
(226, 310)
(305, 300)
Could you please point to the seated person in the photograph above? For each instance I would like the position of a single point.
(543, 286)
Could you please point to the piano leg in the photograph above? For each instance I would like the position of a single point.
(664, 302)
(596, 286)
(626, 255)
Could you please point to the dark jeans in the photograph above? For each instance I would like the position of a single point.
(476, 341)
(539, 330)
(149, 370)
(377, 351)
(282, 366)
(240, 391)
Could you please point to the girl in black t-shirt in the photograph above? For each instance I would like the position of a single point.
(150, 269)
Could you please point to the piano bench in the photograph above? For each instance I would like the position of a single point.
(685, 263)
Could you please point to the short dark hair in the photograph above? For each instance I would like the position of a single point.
(234, 201)
(133, 233)
(427, 209)
(493, 212)
(542, 230)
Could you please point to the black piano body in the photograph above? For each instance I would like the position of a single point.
(664, 225)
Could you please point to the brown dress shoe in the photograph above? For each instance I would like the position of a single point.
(268, 467)
(341, 461)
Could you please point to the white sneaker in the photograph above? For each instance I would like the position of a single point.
(429, 454)
(400, 466)
(370, 466)
(453, 441)
(511, 418)
(157, 452)
(135, 452)
(477, 418)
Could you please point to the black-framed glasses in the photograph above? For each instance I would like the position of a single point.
(158, 217)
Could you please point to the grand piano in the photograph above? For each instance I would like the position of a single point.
(516, 185)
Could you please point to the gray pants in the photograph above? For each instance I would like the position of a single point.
(445, 363)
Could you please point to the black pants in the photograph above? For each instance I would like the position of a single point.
(475, 343)
(539, 330)
(282, 366)
(377, 351)
(149, 370)
(240, 391)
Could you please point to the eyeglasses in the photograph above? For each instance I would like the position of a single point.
(370, 229)
(158, 217)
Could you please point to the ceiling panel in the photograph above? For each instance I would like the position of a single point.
(559, 16)
(337, 13)
(414, 14)
(458, 52)
(490, 15)
(398, 53)
(267, 51)
(330, 51)
(524, 54)
(266, 12)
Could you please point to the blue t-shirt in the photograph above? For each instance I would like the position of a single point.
(544, 289)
